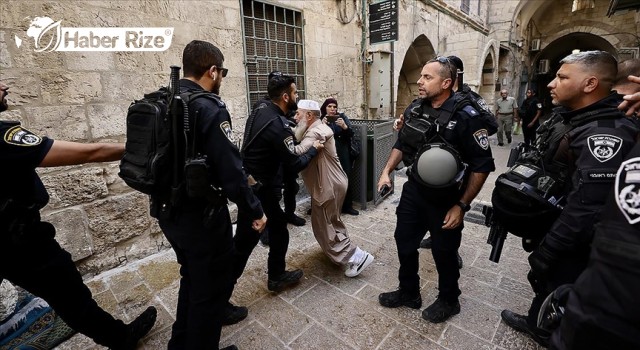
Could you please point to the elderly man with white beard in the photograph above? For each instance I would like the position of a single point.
(327, 183)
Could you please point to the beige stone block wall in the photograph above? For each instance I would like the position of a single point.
(620, 29)
(83, 96)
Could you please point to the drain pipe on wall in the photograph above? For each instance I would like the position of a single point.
(363, 58)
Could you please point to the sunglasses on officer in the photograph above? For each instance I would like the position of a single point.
(453, 70)
(222, 71)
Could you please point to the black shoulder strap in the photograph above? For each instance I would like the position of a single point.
(246, 144)
(446, 112)
(190, 135)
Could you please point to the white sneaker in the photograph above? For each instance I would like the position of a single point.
(354, 268)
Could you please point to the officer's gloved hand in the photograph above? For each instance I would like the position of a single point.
(541, 261)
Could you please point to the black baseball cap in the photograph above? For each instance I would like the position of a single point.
(457, 62)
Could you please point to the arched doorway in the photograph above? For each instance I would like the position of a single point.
(547, 63)
(488, 83)
(417, 55)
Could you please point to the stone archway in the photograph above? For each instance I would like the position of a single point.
(420, 51)
(487, 83)
(556, 51)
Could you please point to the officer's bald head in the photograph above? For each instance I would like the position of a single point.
(600, 64)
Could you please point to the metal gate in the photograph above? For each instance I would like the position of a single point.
(376, 138)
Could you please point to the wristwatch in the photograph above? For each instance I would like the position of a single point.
(465, 207)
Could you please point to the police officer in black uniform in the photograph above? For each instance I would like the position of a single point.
(598, 138)
(438, 210)
(289, 178)
(464, 94)
(30, 257)
(200, 230)
(602, 311)
(531, 112)
(269, 145)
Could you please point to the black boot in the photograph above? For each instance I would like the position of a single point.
(234, 314)
(519, 323)
(441, 310)
(399, 298)
(139, 327)
(286, 279)
(295, 220)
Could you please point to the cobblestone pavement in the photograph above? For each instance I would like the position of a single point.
(330, 311)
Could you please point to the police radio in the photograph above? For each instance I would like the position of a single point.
(196, 169)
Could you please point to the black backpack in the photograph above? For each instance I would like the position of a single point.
(148, 158)
(155, 125)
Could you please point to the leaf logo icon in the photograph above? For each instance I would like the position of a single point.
(46, 33)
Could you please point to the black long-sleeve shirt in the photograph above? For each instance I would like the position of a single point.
(271, 145)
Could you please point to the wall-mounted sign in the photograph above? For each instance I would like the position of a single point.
(383, 22)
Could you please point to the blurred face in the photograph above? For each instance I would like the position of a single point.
(567, 89)
(302, 119)
(215, 75)
(503, 93)
(3, 100)
(431, 84)
(529, 93)
(332, 109)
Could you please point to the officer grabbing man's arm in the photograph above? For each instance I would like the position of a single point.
(49, 272)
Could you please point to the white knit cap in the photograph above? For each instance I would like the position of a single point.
(309, 105)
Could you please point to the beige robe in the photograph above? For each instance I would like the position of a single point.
(327, 183)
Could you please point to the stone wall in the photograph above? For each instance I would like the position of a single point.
(83, 96)
(620, 29)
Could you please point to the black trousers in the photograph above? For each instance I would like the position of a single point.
(347, 165)
(246, 238)
(416, 215)
(291, 188)
(37, 263)
(204, 253)
(529, 133)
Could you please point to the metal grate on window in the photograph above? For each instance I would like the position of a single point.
(273, 40)
(465, 5)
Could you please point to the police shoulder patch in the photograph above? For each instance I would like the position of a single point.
(539, 105)
(288, 142)
(470, 111)
(627, 190)
(226, 129)
(482, 138)
(604, 147)
(483, 104)
(19, 136)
